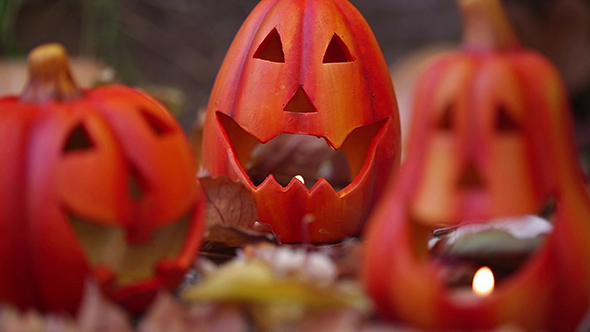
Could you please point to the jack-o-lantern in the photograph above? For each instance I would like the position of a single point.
(94, 182)
(309, 68)
(491, 138)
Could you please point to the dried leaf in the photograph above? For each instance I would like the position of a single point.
(255, 281)
(281, 288)
(229, 203)
(503, 244)
(221, 242)
(231, 219)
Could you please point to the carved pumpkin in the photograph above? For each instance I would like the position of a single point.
(96, 182)
(491, 138)
(314, 69)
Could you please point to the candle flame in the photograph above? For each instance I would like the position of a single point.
(483, 281)
(300, 178)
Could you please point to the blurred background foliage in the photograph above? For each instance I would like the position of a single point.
(173, 48)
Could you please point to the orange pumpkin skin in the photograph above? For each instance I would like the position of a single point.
(59, 177)
(505, 115)
(355, 93)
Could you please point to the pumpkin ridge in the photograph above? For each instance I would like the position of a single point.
(361, 61)
(238, 86)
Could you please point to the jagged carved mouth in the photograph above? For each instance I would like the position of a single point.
(299, 157)
(504, 245)
(109, 246)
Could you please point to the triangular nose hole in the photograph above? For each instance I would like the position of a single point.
(300, 103)
(471, 177)
(271, 49)
(337, 51)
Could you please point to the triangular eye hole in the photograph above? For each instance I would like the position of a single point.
(158, 126)
(271, 49)
(337, 52)
(446, 121)
(78, 140)
(505, 122)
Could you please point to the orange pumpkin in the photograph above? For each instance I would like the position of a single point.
(491, 138)
(95, 182)
(308, 68)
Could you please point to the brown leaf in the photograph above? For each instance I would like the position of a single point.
(231, 219)
(221, 242)
(229, 203)
(503, 244)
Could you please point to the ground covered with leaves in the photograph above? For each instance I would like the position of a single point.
(243, 280)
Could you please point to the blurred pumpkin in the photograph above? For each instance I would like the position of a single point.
(491, 137)
(313, 69)
(97, 181)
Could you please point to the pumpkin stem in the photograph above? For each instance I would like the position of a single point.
(49, 75)
(486, 26)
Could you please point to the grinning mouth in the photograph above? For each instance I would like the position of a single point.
(301, 157)
(503, 244)
(130, 263)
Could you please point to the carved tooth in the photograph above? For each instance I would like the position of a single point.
(323, 187)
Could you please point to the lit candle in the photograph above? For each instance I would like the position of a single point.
(483, 282)
(482, 286)
(300, 178)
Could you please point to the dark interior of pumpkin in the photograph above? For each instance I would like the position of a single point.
(307, 157)
(131, 262)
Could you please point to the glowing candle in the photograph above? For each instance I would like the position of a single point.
(483, 282)
(300, 178)
(482, 285)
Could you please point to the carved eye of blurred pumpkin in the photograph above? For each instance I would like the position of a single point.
(446, 121)
(505, 121)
